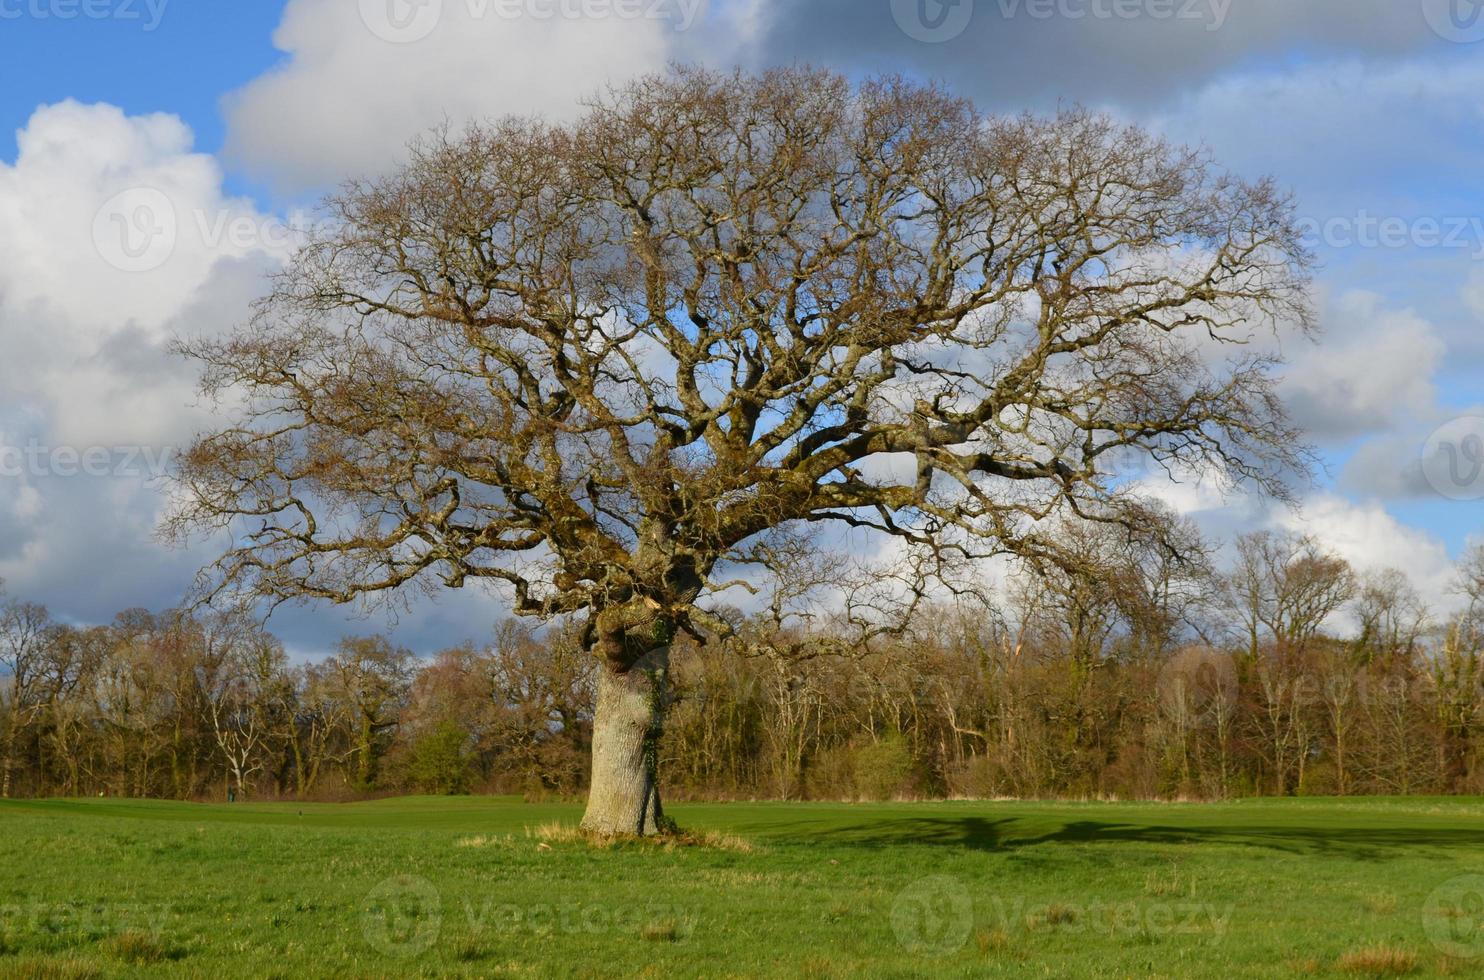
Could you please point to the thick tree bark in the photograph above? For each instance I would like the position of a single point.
(627, 723)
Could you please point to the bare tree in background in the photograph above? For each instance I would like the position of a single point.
(241, 673)
(1284, 587)
(600, 364)
(1458, 671)
(23, 630)
(1393, 615)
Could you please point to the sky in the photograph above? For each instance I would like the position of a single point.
(156, 157)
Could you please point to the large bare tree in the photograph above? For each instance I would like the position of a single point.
(601, 363)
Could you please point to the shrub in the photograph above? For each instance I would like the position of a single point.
(883, 768)
(439, 762)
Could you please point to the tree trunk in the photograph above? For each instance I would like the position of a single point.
(7, 761)
(627, 722)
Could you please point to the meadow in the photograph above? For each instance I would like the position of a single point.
(471, 886)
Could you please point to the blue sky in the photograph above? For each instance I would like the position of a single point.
(180, 60)
(236, 112)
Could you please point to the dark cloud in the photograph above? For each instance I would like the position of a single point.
(1019, 53)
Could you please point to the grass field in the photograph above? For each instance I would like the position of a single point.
(474, 887)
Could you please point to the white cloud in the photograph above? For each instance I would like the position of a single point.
(84, 340)
(114, 237)
(348, 100)
(1388, 467)
(1372, 370)
(1371, 539)
(1362, 532)
(1382, 157)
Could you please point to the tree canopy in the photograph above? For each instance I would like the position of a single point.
(600, 363)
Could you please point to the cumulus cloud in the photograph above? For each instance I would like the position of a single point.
(114, 237)
(1362, 532)
(1372, 540)
(363, 78)
(1372, 371)
(1388, 467)
(1382, 158)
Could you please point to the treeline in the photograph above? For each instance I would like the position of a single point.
(1133, 670)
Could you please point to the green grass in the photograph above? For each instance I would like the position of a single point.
(464, 887)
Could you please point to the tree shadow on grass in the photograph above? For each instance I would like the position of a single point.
(1009, 834)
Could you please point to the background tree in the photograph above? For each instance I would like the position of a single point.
(1392, 613)
(370, 678)
(1458, 674)
(1284, 587)
(23, 631)
(243, 683)
(875, 699)
(599, 364)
